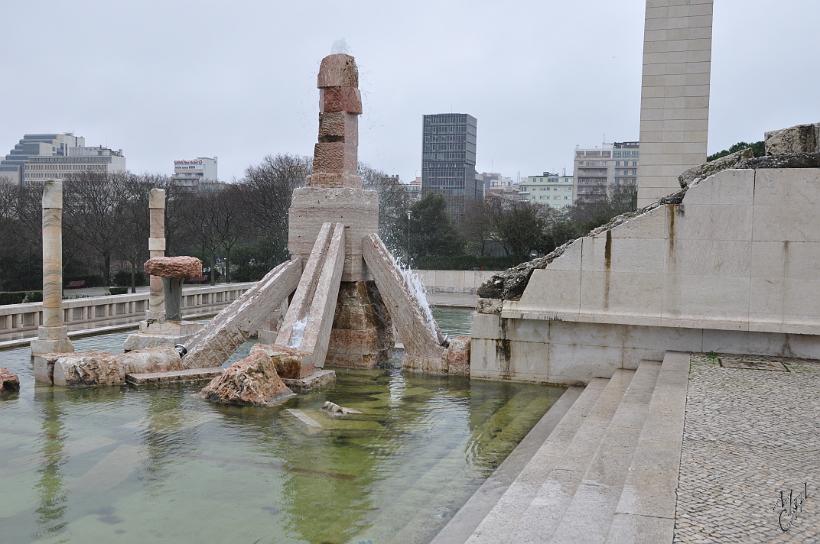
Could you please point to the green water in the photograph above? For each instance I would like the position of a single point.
(161, 465)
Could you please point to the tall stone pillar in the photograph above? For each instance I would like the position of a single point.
(677, 55)
(51, 335)
(156, 248)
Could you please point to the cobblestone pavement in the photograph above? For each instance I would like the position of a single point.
(749, 434)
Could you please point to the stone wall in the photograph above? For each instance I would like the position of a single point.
(731, 267)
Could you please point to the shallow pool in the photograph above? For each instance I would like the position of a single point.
(161, 465)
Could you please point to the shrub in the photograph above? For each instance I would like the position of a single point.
(12, 297)
(34, 296)
(117, 290)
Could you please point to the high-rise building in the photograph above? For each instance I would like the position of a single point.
(36, 145)
(195, 174)
(600, 170)
(548, 189)
(100, 160)
(625, 172)
(448, 161)
(593, 169)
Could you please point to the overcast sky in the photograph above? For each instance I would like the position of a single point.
(166, 80)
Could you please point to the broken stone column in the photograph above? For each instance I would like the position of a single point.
(417, 330)
(154, 330)
(217, 341)
(51, 335)
(169, 329)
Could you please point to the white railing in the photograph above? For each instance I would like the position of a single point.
(22, 320)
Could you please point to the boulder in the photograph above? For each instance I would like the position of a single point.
(457, 356)
(9, 383)
(251, 381)
(796, 139)
(705, 170)
(174, 267)
(287, 361)
(488, 306)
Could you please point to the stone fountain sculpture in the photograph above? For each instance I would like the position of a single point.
(348, 291)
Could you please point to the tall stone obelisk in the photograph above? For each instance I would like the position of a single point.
(677, 56)
(51, 335)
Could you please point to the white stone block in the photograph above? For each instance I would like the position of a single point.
(786, 203)
(733, 187)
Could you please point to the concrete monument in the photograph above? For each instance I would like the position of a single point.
(677, 54)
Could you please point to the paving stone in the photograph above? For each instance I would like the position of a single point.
(748, 435)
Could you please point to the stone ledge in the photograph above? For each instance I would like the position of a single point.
(174, 376)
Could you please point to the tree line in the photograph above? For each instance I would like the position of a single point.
(239, 230)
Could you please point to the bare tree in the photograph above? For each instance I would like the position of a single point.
(266, 193)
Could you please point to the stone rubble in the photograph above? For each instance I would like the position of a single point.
(796, 139)
(251, 381)
(174, 267)
(9, 382)
(457, 356)
(706, 169)
(335, 410)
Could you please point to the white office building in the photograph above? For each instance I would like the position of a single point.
(195, 174)
(100, 160)
(548, 189)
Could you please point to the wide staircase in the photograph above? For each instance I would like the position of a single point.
(608, 471)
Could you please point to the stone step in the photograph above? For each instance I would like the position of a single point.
(543, 515)
(505, 514)
(646, 508)
(173, 376)
(590, 513)
(486, 497)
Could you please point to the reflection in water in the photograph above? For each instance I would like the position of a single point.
(161, 464)
(52, 496)
(162, 436)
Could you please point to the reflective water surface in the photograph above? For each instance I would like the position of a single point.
(161, 465)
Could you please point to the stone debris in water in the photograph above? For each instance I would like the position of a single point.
(335, 410)
(174, 267)
(251, 381)
(457, 356)
(9, 383)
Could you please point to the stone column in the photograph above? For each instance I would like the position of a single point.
(51, 336)
(156, 248)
